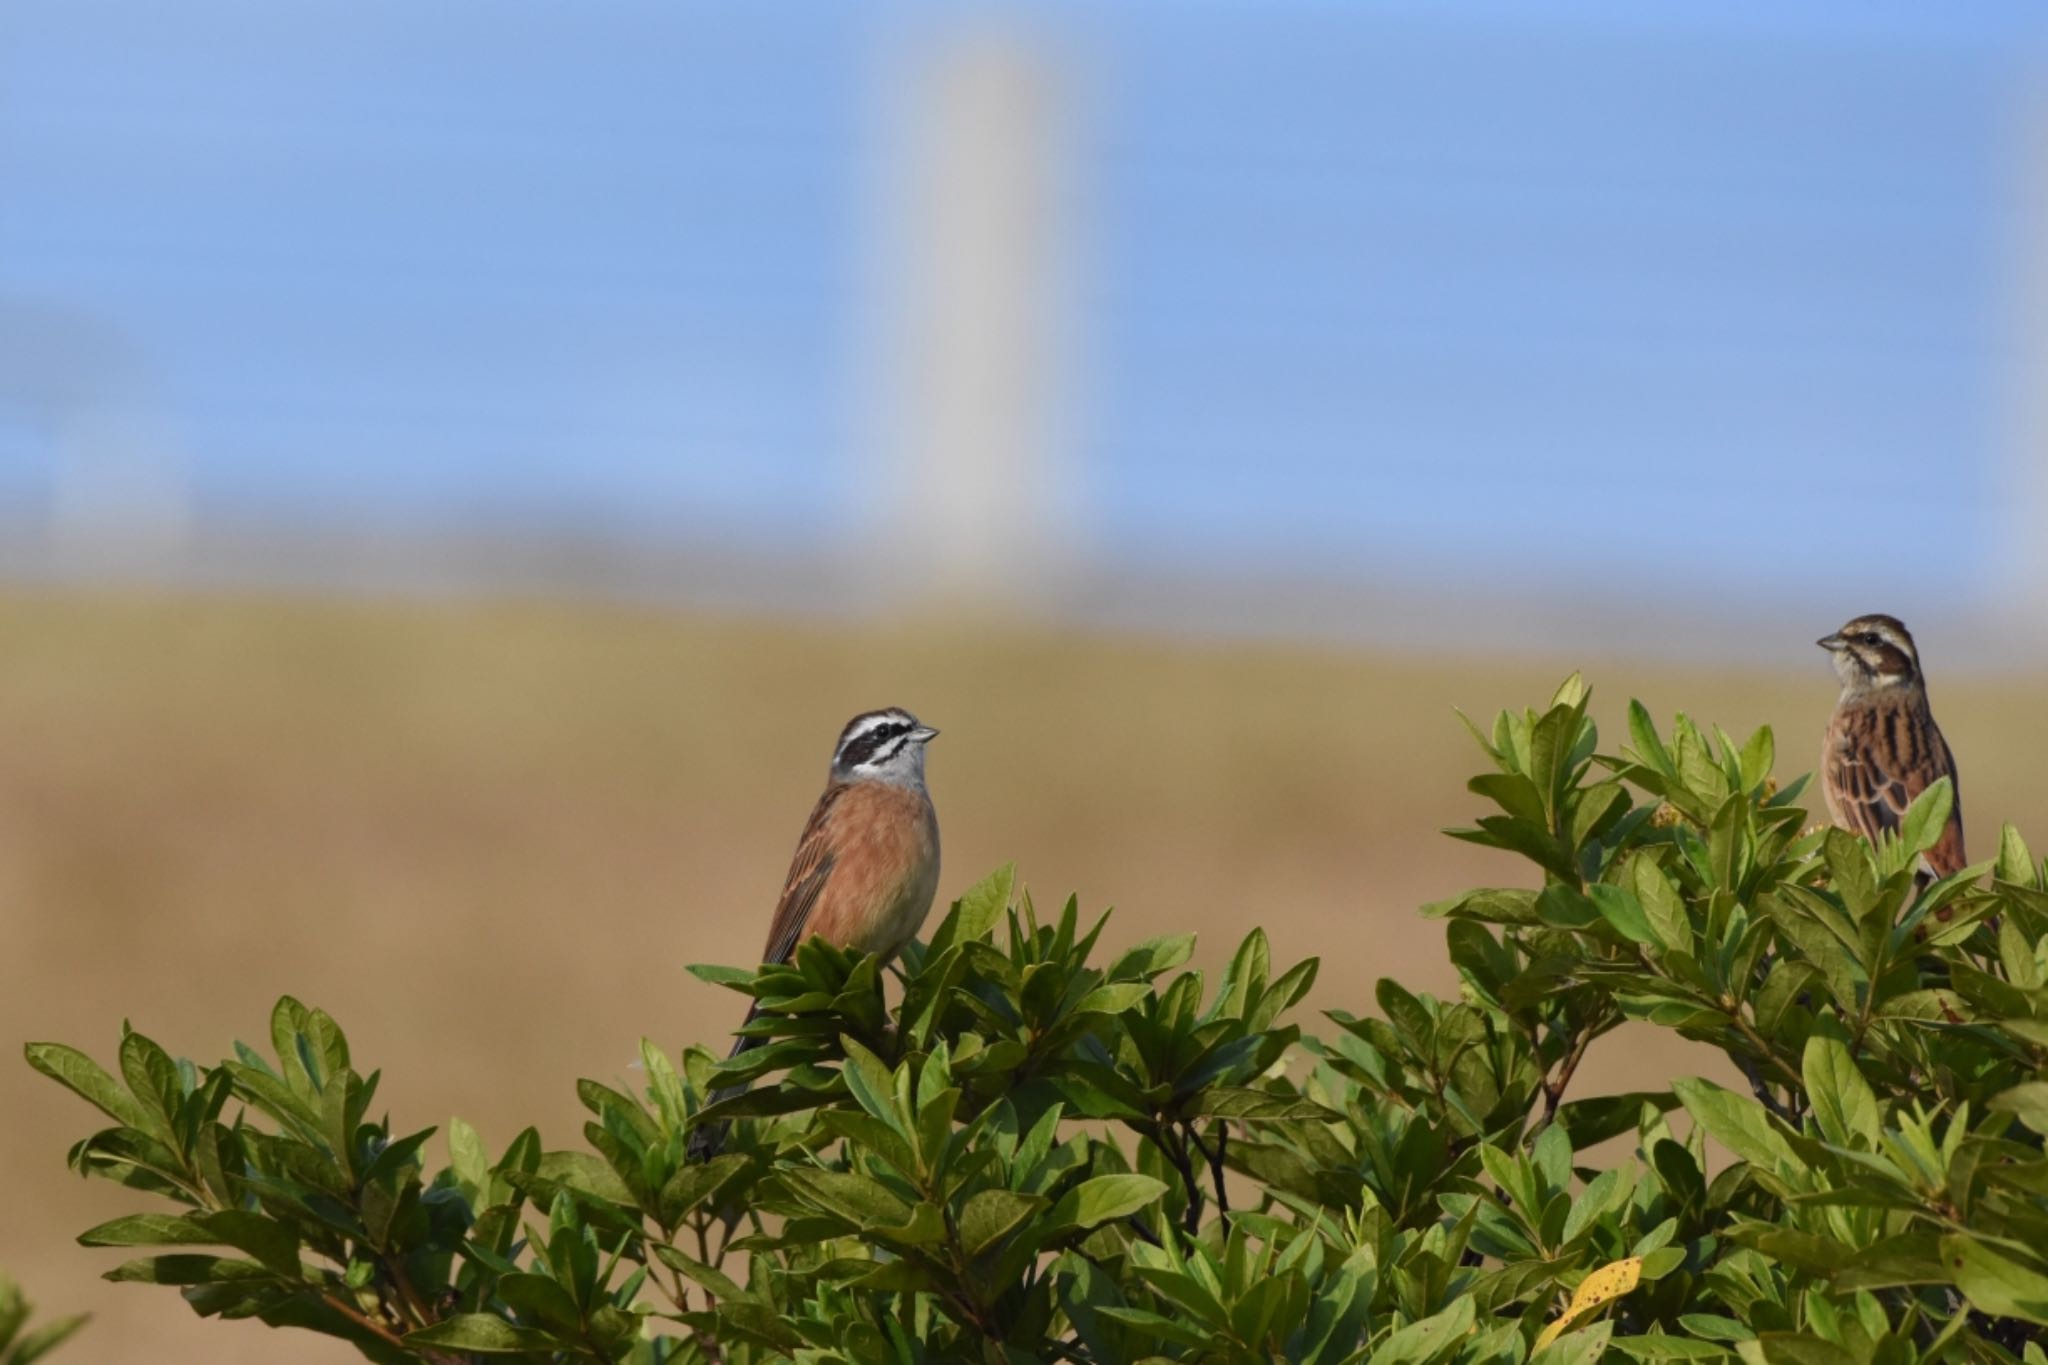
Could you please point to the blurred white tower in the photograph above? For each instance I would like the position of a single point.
(119, 495)
(120, 504)
(2022, 491)
(973, 488)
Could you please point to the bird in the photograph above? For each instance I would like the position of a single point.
(1883, 747)
(866, 865)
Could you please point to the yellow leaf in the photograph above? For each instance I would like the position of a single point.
(1610, 1281)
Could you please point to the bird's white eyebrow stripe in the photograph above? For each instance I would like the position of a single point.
(875, 720)
(859, 747)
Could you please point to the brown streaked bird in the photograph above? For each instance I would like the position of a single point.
(866, 865)
(1883, 747)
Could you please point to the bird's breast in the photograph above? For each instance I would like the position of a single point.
(887, 870)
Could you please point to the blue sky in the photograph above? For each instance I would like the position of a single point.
(1682, 294)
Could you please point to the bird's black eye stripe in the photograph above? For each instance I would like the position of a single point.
(863, 749)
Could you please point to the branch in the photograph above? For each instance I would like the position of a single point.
(1215, 1160)
(363, 1320)
(1793, 1079)
(1747, 1066)
(1145, 1234)
(1556, 1083)
(408, 1298)
(1177, 1153)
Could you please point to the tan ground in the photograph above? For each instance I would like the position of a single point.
(488, 837)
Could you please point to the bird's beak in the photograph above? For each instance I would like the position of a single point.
(1831, 642)
(923, 734)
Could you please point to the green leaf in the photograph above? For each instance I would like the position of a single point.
(45, 1339)
(976, 912)
(864, 1202)
(482, 1333)
(1737, 1122)
(468, 1158)
(1254, 1106)
(543, 1301)
(1601, 1117)
(1925, 819)
(1642, 733)
(188, 1269)
(1157, 1325)
(1513, 793)
(271, 1243)
(1493, 905)
(1906, 1259)
(1620, 909)
(1405, 1013)
(1152, 957)
(870, 1082)
(733, 978)
(709, 1277)
(1794, 1348)
(1843, 1104)
(148, 1230)
(1668, 1348)
(2029, 1100)
(1994, 1284)
(1715, 1327)
(85, 1078)
(1105, 1197)
(1531, 840)
(2015, 861)
(695, 1182)
(1429, 1339)
(990, 1216)
(153, 1079)
(585, 1173)
(1586, 1346)
(1112, 998)
(1663, 908)
(925, 1226)
(1757, 758)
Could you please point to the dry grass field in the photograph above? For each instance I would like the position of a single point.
(488, 837)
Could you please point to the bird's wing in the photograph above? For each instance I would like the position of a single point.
(1884, 757)
(808, 872)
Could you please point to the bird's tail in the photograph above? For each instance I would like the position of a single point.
(709, 1140)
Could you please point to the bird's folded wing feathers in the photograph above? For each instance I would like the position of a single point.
(808, 872)
(1873, 799)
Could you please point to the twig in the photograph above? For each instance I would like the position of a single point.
(1145, 1234)
(1554, 1087)
(698, 1226)
(408, 1297)
(1177, 1153)
(1793, 1079)
(1215, 1160)
(1555, 1084)
(382, 1331)
(1757, 1087)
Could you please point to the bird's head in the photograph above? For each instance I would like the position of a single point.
(1873, 652)
(882, 746)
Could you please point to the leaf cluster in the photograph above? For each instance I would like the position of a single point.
(20, 1344)
(1046, 1151)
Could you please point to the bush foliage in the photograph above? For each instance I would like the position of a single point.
(19, 1344)
(1048, 1151)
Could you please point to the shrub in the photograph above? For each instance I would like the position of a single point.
(1051, 1152)
(18, 1345)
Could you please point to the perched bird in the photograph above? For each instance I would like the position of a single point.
(1883, 747)
(866, 865)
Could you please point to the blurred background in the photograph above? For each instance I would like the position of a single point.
(461, 464)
